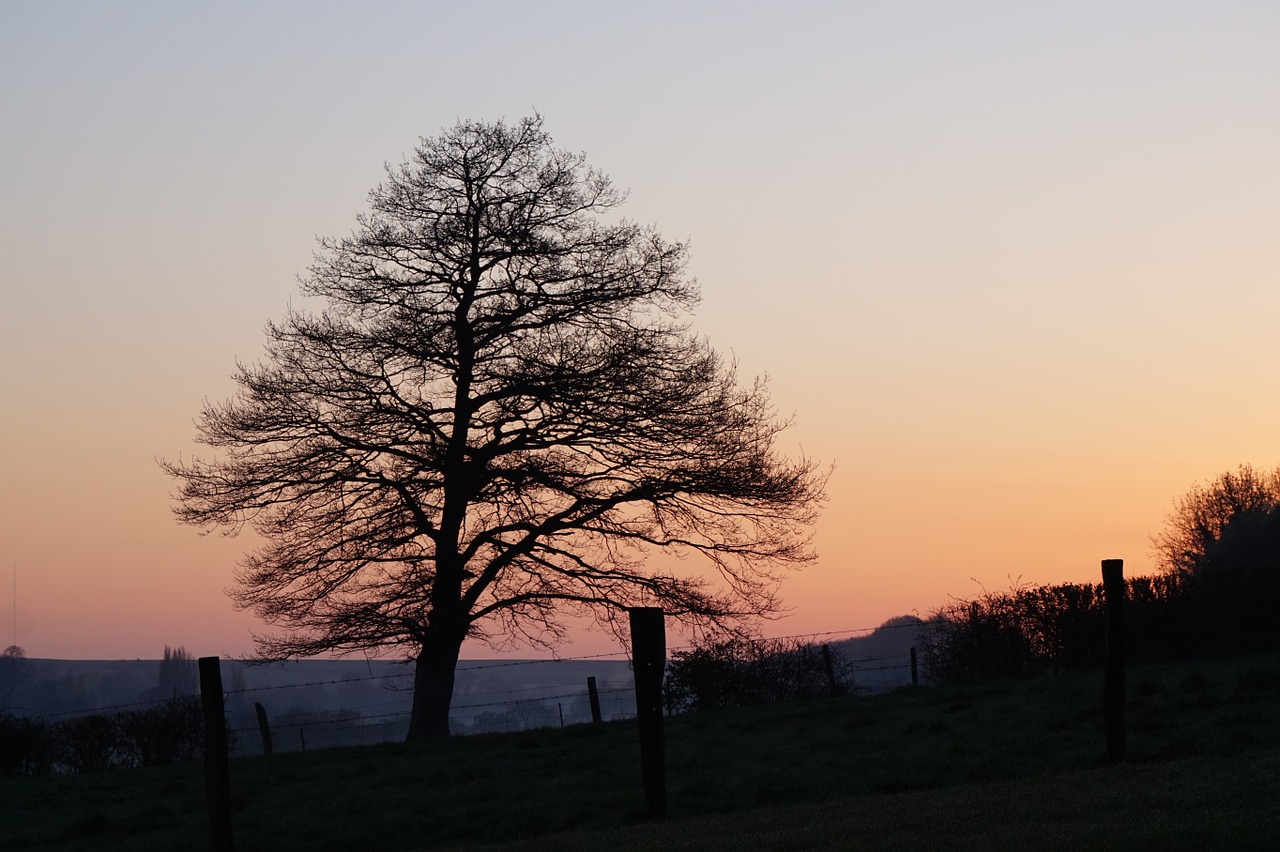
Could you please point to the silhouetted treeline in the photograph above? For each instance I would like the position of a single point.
(1026, 630)
(170, 730)
(165, 734)
(740, 672)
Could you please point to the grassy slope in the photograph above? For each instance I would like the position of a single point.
(1009, 765)
(1208, 802)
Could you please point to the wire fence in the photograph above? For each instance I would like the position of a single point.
(362, 702)
(476, 710)
(475, 713)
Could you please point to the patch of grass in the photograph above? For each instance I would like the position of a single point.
(1259, 678)
(90, 824)
(1191, 804)
(1194, 681)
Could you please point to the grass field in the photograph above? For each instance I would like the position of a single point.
(1001, 765)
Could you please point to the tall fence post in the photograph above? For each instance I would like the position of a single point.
(1113, 589)
(648, 659)
(915, 671)
(217, 768)
(593, 694)
(833, 687)
(264, 729)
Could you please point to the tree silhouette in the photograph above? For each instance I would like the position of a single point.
(499, 417)
(1222, 545)
(178, 674)
(1233, 521)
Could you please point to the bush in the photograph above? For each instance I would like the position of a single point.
(740, 672)
(168, 733)
(24, 747)
(1020, 632)
(163, 735)
(89, 744)
(1028, 630)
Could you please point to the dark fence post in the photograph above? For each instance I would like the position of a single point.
(263, 728)
(833, 688)
(648, 659)
(217, 768)
(915, 672)
(1113, 589)
(593, 694)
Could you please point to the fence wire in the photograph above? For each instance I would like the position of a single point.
(377, 706)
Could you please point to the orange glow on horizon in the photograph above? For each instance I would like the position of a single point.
(1011, 268)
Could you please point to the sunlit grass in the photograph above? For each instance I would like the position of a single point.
(1006, 764)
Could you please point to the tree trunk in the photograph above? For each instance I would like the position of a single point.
(433, 688)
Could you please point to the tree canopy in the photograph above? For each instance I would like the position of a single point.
(498, 417)
(1231, 523)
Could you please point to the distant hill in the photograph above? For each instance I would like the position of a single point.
(881, 660)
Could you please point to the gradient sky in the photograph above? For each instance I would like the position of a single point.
(1013, 266)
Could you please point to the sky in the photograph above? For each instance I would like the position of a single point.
(1012, 267)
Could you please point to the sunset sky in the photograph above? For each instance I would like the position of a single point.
(1014, 267)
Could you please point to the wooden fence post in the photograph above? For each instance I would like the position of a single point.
(263, 728)
(915, 672)
(593, 694)
(648, 659)
(833, 688)
(217, 768)
(1113, 589)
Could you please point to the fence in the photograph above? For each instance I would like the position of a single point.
(498, 711)
(322, 704)
(503, 696)
(554, 693)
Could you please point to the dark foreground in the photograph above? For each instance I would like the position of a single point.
(1007, 765)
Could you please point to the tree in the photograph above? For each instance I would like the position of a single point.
(1233, 521)
(498, 418)
(178, 674)
(1221, 544)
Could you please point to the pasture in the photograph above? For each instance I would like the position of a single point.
(997, 765)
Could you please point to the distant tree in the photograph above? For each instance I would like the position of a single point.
(13, 670)
(529, 713)
(498, 418)
(178, 674)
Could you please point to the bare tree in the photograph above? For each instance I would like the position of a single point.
(496, 420)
